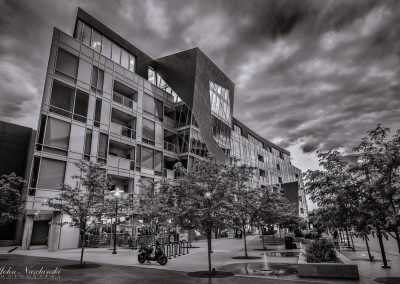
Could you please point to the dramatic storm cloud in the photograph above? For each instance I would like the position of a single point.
(309, 74)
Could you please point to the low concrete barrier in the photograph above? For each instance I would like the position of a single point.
(344, 270)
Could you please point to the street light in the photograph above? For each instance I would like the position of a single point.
(117, 194)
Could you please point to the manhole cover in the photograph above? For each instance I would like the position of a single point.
(388, 280)
(205, 274)
(78, 266)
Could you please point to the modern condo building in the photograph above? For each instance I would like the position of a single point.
(107, 101)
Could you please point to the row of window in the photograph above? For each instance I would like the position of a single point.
(100, 43)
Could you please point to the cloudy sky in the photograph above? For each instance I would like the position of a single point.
(309, 74)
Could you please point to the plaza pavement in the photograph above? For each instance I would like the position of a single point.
(196, 260)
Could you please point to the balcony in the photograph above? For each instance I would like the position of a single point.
(119, 163)
(118, 98)
(170, 147)
(122, 131)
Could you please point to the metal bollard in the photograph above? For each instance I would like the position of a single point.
(175, 250)
(187, 248)
(183, 247)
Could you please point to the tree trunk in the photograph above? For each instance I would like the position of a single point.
(245, 244)
(352, 242)
(83, 242)
(378, 229)
(209, 254)
(347, 235)
(262, 237)
(369, 252)
(341, 236)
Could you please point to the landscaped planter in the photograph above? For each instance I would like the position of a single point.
(345, 269)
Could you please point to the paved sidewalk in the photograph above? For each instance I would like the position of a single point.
(197, 259)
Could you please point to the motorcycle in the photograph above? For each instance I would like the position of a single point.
(146, 254)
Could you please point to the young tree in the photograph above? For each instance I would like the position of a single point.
(274, 209)
(151, 206)
(87, 200)
(380, 172)
(200, 198)
(10, 198)
(245, 198)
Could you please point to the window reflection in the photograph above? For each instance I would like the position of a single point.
(220, 104)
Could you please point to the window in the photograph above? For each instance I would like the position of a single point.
(132, 62)
(78, 33)
(88, 142)
(145, 182)
(67, 65)
(96, 41)
(301, 210)
(51, 174)
(260, 158)
(159, 109)
(116, 53)
(151, 76)
(148, 131)
(56, 139)
(147, 158)
(103, 145)
(237, 129)
(158, 161)
(125, 59)
(97, 78)
(278, 167)
(62, 98)
(138, 157)
(148, 103)
(86, 34)
(297, 176)
(81, 106)
(35, 174)
(220, 103)
(97, 113)
(42, 127)
(279, 179)
(106, 47)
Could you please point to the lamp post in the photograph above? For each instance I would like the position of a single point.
(116, 193)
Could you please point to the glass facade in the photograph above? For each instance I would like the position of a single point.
(95, 109)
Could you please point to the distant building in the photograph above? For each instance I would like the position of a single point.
(16, 152)
(107, 101)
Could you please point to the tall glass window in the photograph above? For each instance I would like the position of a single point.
(106, 47)
(86, 35)
(116, 53)
(81, 106)
(147, 158)
(62, 98)
(132, 62)
(220, 103)
(151, 75)
(148, 103)
(125, 59)
(103, 145)
(67, 65)
(148, 130)
(51, 174)
(56, 139)
(96, 41)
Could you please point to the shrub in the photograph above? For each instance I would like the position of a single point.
(321, 250)
(298, 233)
(312, 235)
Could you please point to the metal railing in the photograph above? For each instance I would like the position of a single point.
(118, 98)
(120, 163)
(170, 147)
(123, 130)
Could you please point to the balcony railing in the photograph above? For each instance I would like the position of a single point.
(118, 98)
(170, 147)
(170, 174)
(169, 121)
(121, 130)
(121, 163)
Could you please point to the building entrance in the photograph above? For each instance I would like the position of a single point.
(40, 232)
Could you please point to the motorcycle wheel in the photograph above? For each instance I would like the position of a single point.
(141, 259)
(162, 260)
